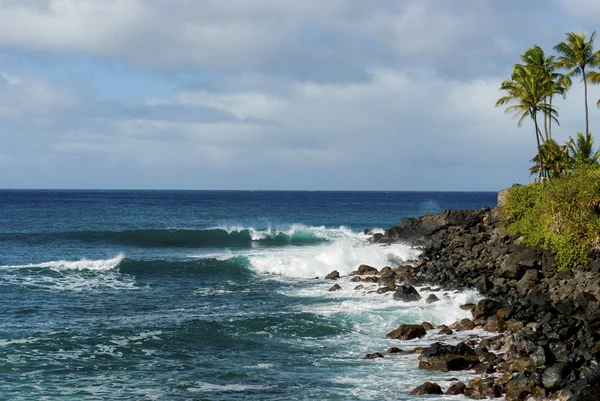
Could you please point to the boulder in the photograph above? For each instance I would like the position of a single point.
(375, 355)
(395, 350)
(366, 270)
(519, 388)
(445, 330)
(465, 324)
(427, 326)
(407, 332)
(359, 287)
(427, 388)
(335, 287)
(486, 308)
(334, 275)
(406, 293)
(389, 281)
(431, 299)
(456, 389)
(445, 358)
(383, 290)
(528, 281)
(555, 377)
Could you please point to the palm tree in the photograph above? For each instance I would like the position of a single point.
(544, 66)
(554, 159)
(576, 54)
(526, 94)
(582, 149)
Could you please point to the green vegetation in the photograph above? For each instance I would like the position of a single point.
(560, 212)
(560, 216)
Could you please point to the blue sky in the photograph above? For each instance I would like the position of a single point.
(272, 94)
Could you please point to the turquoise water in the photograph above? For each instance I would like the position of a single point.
(199, 295)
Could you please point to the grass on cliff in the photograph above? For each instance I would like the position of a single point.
(561, 215)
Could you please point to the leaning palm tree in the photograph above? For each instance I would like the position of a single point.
(545, 67)
(576, 54)
(582, 149)
(525, 97)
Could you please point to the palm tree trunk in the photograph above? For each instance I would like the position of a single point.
(537, 137)
(550, 121)
(587, 121)
(546, 118)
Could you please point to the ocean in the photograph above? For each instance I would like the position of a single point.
(209, 295)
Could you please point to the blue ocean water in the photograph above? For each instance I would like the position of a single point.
(206, 295)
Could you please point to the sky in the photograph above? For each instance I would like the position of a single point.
(274, 94)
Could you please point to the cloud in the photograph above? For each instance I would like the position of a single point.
(270, 94)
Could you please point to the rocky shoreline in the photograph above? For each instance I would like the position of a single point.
(547, 344)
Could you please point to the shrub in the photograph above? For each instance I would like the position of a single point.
(560, 216)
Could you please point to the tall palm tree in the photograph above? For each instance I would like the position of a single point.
(576, 54)
(526, 94)
(582, 149)
(545, 66)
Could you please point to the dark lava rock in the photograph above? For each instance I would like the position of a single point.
(446, 330)
(359, 287)
(456, 389)
(395, 350)
(388, 281)
(555, 377)
(366, 270)
(470, 307)
(407, 332)
(443, 357)
(431, 299)
(334, 275)
(427, 326)
(375, 355)
(406, 293)
(519, 388)
(335, 287)
(383, 290)
(466, 324)
(427, 388)
(486, 308)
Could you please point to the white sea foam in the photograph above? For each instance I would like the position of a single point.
(82, 264)
(209, 387)
(343, 255)
(63, 275)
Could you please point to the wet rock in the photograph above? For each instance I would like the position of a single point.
(375, 355)
(389, 281)
(335, 287)
(406, 293)
(465, 324)
(456, 389)
(355, 279)
(395, 350)
(359, 287)
(431, 299)
(407, 332)
(469, 307)
(427, 388)
(366, 270)
(446, 330)
(334, 275)
(427, 326)
(383, 290)
(486, 308)
(443, 357)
